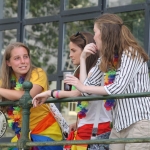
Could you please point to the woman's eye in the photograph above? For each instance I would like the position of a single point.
(26, 56)
(16, 58)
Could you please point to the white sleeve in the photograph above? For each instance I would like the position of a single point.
(94, 79)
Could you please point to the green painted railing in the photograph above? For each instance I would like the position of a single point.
(25, 102)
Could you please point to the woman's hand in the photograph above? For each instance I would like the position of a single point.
(39, 99)
(72, 80)
(88, 50)
(72, 127)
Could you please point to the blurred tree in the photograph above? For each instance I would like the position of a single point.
(10, 8)
(41, 8)
(42, 40)
(74, 4)
(135, 21)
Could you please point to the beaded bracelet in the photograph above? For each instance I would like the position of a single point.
(52, 91)
(57, 96)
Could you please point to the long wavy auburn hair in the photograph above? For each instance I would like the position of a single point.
(116, 38)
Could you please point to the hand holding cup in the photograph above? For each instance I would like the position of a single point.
(67, 87)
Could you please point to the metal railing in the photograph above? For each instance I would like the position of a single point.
(25, 102)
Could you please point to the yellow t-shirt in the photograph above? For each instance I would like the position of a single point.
(37, 114)
(38, 77)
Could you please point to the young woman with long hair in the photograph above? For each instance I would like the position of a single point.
(78, 42)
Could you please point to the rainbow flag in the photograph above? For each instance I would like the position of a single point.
(44, 128)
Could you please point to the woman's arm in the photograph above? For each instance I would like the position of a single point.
(39, 81)
(123, 78)
(42, 97)
(100, 90)
(89, 49)
(83, 74)
(11, 94)
(16, 95)
(65, 94)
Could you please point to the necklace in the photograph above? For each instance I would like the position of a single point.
(82, 109)
(14, 112)
(109, 78)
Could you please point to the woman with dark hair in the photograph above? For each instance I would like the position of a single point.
(79, 40)
(86, 110)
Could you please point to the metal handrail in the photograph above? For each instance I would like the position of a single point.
(25, 103)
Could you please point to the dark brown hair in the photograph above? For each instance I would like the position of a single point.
(81, 41)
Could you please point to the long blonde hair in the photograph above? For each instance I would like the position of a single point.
(116, 38)
(6, 71)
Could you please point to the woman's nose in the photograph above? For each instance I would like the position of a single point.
(70, 55)
(22, 60)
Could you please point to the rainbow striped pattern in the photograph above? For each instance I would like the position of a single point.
(13, 113)
(82, 109)
(109, 79)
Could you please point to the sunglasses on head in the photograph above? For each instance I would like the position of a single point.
(79, 34)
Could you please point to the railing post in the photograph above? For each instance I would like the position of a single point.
(21, 144)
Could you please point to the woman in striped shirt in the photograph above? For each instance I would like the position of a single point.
(124, 64)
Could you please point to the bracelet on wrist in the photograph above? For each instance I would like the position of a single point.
(57, 94)
(52, 93)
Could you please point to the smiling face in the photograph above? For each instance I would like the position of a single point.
(75, 52)
(97, 37)
(19, 61)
